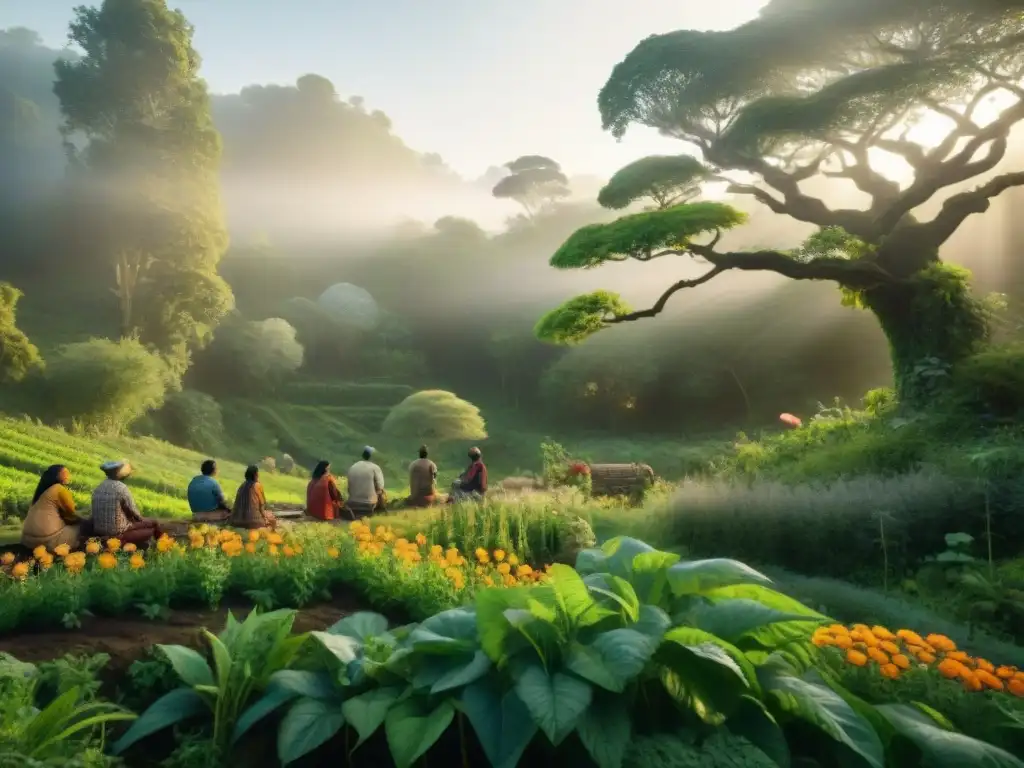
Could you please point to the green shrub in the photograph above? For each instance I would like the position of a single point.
(992, 381)
(103, 386)
(18, 355)
(258, 355)
(833, 529)
(434, 414)
(193, 420)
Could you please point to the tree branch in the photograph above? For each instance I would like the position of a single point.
(659, 305)
(959, 207)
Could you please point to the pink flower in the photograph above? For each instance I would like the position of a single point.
(790, 420)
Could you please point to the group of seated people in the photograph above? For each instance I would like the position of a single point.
(52, 519)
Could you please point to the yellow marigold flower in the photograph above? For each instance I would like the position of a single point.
(882, 633)
(509, 580)
(891, 671)
(288, 551)
(113, 544)
(197, 542)
(499, 555)
(92, 547)
(504, 568)
(436, 550)
(75, 562)
(20, 571)
(203, 529)
(164, 544)
(901, 661)
(254, 536)
(843, 641)
(481, 554)
(137, 561)
(250, 548)
(524, 570)
(989, 680)
(39, 552)
(451, 554)
(941, 642)
(1016, 687)
(856, 658)
(421, 540)
(878, 656)
(107, 561)
(889, 647)
(62, 550)
(822, 640)
(273, 551)
(513, 559)
(7, 558)
(333, 552)
(488, 581)
(838, 629)
(129, 548)
(275, 539)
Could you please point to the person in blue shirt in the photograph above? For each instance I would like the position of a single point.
(205, 496)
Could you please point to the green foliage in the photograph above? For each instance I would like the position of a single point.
(345, 393)
(18, 356)
(991, 381)
(832, 243)
(434, 414)
(137, 100)
(104, 385)
(193, 420)
(534, 182)
(257, 356)
(350, 306)
(666, 179)
(580, 317)
(642, 236)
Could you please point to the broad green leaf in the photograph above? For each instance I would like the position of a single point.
(271, 700)
(650, 575)
(573, 596)
(605, 729)
(49, 721)
(452, 631)
(694, 638)
(308, 724)
(732, 619)
(755, 723)
(345, 648)
(591, 561)
(702, 677)
(614, 592)
(813, 701)
(765, 596)
(612, 660)
(366, 712)
(174, 707)
(466, 673)
(541, 610)
(941, 748)
(412, 728)
(700, 576)
(188, 665)
(501, 721)
(621, 552)
(360, 626)
(555, 701)
(652, 622)
(492, 626)
(221, 660)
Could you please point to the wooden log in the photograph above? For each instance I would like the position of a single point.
(619, 479)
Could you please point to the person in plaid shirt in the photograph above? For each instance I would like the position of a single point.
(114, 513)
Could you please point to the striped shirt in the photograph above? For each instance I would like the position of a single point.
(113, 508)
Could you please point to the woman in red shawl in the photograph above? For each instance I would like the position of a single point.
(323, 499)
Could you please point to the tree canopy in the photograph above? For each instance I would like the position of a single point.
(18, 355)
(137, 121)
(434, 414)
(827, 88)
(666, 179)
(534, 182)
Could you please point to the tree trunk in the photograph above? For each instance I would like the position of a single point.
(931, 322)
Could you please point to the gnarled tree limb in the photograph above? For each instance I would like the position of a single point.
(960, 206)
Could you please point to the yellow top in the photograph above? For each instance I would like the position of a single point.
(54, 510)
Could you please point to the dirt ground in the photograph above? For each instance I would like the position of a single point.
(127, 639)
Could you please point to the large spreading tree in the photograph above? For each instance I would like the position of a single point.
(138, 127)
(822, 88)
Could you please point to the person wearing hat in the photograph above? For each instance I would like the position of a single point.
(472, 484)
(366, 493)
(114, 512)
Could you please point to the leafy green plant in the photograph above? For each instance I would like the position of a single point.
(244, 655)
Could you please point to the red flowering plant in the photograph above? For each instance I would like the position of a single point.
(578, 476)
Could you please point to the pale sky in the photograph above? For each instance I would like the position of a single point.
(480, 82)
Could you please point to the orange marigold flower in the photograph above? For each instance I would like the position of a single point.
(950, 668)
(878, 656)
(910, 637)
(1016, 687)
(901, 661)
(838, 629)
(844, 642)
(986, 665)
(62, 550)
(20, 571)
(250, 548)
(856, 658)
(1006, 673)
(882, 633)
(926, 658)
(889, 646)
(891, 671)
(822, 640)
(941, 642)
(960, 656)
(915, 649)
(971, 682)
(989, 680)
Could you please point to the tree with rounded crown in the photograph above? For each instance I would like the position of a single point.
(825, 88)
(534, 182)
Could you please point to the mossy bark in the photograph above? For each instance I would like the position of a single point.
(931, 321)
